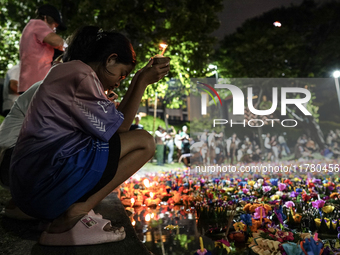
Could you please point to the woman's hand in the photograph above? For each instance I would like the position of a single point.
(153, 73)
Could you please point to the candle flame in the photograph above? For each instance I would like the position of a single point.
(133, 223)
(152, 215)
(147, 217)
(163, 46)
(151, 194)
(132, 200)
(146, 183)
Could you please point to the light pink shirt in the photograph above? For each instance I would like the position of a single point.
(35, 55)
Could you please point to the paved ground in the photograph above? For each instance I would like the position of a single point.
(20, 237)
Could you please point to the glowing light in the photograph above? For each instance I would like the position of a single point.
(152, 215)
(146, 183)
(277, 24)
(163, 46)
(336, 74)
(132, 201)
(151, 195)
(133, 223)
(147, 217)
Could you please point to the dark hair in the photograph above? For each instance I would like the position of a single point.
(49, 19)
(90, 44)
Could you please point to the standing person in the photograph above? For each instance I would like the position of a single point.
(10, 89)
(268, 146)
(37, 45)
(136, 125)
(160, 136)
(184, 137)
(275, 149)
(74, 147)
(232, 145)
(212, 147)
(178, 143)
(169, 142)
(283, 144)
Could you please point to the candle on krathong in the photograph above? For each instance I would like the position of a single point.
(201, 244)
(163, 46)
(261, 215)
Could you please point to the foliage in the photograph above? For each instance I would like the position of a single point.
(185, 25)
(304, 46)
(147, 123)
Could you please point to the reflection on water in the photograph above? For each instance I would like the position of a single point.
(173, 230)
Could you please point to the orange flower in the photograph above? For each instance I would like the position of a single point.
(297, 218)
(246, 207)
(267, 208)
(334, 195)
(253, 228)
(266, 220)
(253, 207)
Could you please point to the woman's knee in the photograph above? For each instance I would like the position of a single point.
(149, 142)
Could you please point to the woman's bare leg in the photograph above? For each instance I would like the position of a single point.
(137, 147)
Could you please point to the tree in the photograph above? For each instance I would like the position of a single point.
(184, 25)
(304, 46)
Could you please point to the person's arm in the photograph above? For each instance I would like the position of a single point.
(13, 87)
(130, 103)
(55, 41)
(132, 85)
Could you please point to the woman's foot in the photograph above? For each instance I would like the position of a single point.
(88, 230)
(65, 223)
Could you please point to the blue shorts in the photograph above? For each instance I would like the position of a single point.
(67, 181)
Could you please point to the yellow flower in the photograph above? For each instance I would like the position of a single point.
(317, 222)
(251, 183)
(229, 189)
(275, 197)
(239, 226)
(328, 209)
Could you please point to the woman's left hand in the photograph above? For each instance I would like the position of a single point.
(153, 73)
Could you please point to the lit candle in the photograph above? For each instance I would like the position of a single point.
(164, 46)
(201, 243)
(261, 215)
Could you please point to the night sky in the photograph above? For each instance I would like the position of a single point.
(237, 11)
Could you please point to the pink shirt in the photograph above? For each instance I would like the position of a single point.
(35, 55)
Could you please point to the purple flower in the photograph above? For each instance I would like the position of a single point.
(294, 194)
(317, 181)
(318, 203)
(266, 189)
(245, 191)
(289, 204)
(282, 186)
(330, 187)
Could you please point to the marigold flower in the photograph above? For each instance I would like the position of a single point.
(328, 209)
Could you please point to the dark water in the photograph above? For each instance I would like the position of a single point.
(173, 230)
